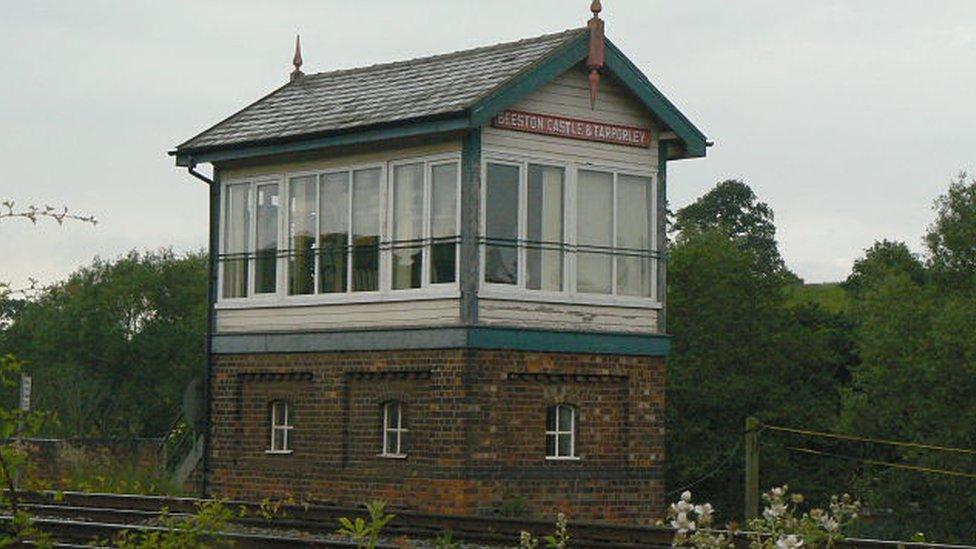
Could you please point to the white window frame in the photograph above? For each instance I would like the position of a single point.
(398, 430)
(574, 418)
(569, 293)
(281, 298)
(284, 425)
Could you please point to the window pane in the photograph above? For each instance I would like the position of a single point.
(443, 222)
(594, 224)
(266, 254)
(565, 445)
(237, 238)
(408, 219)
(366, 230)
(565, 418)
(544, 267)
(391, 415)
(633, 231)
(279, 440)
(301, 235)
(501, 222)
(334, 232)
(551, 445)
(551, 418)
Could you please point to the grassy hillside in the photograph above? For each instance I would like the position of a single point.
(829, 295)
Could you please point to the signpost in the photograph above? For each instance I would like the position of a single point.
(572, 128)
(25, 392)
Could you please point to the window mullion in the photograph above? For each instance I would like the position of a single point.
(426, 221)
(349, 236)
(523, 212)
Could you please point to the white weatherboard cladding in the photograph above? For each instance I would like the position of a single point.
(568, 95)
(429, 312)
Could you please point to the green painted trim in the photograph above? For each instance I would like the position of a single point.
(403, 129)
(543, 72)
(653, 99)
(568, 342)
(446, 337)
(470, 266)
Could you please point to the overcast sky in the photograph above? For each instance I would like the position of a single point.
(847, 117)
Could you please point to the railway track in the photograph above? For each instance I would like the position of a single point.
(77, 518)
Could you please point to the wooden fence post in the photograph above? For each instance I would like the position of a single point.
(752, 468)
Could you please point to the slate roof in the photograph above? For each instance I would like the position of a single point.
(379, 94)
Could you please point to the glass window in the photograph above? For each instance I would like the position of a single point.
(633, 235)
(544, 229)
(501, 224)
(266, 239)
(366, 230)
(561, 431)
(394, 430)
(408, 225)
(334, 233)
(237, 240)
(443, 223)
(301, 235)
(280, 427)
(594, 232)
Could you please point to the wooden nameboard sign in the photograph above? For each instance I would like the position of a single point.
(572, 128)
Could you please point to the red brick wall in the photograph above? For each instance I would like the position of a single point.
(477, 431)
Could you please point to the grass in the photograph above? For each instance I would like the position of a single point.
(829, 295)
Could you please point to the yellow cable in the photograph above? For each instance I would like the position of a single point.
(885, 463)
(872, 440)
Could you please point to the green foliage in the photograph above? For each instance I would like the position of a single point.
(112, 348)
(365, 534)
(881, 260)
(99, 471)
(734, 210)
(829, 297)
(558, 540)
(446, 541)
(193, 531)
(739, 349)
(951, 239)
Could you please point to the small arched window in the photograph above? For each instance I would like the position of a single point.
(561, 432)
(394, 430)
(280, 427)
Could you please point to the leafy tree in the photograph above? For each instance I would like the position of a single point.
(915, 336)
(112, 347)
(882, 259)
(951, 239)
(733, 209)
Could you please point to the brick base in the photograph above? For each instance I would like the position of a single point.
(476, 420)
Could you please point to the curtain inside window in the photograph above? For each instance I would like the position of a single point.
(366, 230)
(237, 237)
(633, 233)
(501, 223)
(408, 219)
(544, 266)
(301, 235)
(594, 227)
(443, 222)
(334, 233)
(266, 254)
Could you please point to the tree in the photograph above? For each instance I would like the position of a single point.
(881, 260)
(112, 348)
(733, 209)
(951, 239)
(739, 350)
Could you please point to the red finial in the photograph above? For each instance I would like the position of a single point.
(595, 60)
(297, 60)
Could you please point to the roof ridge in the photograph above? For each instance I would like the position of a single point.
(442, 56)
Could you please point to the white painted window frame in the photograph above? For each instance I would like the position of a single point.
(280, 424)
(574, 418)
(569, 294)
(397, 430)
(281, 298)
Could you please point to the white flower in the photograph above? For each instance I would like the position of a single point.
(775, 510)
(683, 524)
(686, 495)
(682, 507)
(778, 491)
(704, 512)
(789, 542)
(828, 523)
